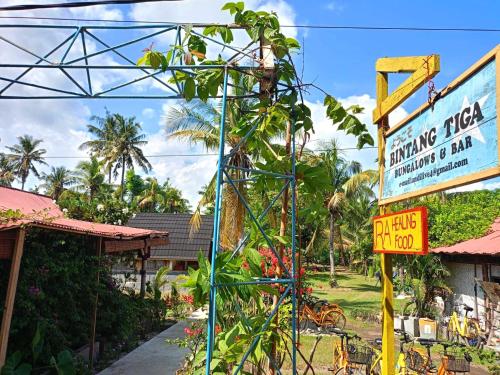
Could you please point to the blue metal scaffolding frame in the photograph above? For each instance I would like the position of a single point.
(72, 58)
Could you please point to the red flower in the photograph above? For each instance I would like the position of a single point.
(187, 298)
(218, 329)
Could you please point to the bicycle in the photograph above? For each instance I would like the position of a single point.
(325, 320)
(350, 355)
(468, 330)
(401, 369)
(450, 364)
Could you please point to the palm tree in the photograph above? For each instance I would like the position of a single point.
(89, 177)
(347, 180)
(172, 200)
(199, 123)
(105, 134)
(126, 148)
(7, 175)
(24, 156)
(152, 195)
(56, 181)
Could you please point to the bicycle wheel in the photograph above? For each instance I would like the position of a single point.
(304, 324)
(473, 337)
(333, 319)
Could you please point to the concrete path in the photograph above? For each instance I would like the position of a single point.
(154, 357)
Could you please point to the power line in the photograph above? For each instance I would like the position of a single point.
(201, 154)
(75, 4)
(323, 27)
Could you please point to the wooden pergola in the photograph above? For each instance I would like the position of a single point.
(34, 210)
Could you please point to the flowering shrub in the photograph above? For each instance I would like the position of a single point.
(270, 263)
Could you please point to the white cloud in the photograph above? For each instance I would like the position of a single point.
(187, 173)
(325, 131)
(334, 6)
(148, 113)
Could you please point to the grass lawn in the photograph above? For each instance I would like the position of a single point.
(355, 291)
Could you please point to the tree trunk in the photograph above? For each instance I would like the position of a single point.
(341, 247)
(333, 282)
(123, 176)
(109, 175)
(23, 180)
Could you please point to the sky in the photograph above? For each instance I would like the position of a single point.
(341, 62)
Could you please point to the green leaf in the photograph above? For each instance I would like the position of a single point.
(144, 60)
(189, 89)
(292, 43)
(155, 59)
(37, 342)
(64, 364)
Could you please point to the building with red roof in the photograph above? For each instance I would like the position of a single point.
(470, 262)
(21, 210)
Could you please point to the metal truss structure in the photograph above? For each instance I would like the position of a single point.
(89, 62)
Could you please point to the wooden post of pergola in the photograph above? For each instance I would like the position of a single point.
(94, 311)
(11, 293)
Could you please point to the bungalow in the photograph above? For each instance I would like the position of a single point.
(471, 264)
(182, 250)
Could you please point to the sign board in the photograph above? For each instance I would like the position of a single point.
(403, 232)
(452, 144)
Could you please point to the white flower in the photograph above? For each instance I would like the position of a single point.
(125, 210)
(134, 215)
(119, 222)
(65, 210)
(54, 201)
(100, 207)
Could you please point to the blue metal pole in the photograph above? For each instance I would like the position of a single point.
(78, 31)
(84, 46)
(212, 313)
(127, 59)
(39, 61)
(128, 43)
(294, 260)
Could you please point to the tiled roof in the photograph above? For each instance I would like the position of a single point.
(486, 245)
(181, 246)
(39, 210)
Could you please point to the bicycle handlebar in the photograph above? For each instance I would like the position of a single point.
(339, 332)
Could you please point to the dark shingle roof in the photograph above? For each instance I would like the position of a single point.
(180, 245)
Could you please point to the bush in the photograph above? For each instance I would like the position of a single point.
(57, 288)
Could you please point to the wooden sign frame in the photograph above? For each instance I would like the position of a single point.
(425, 232)
(462, 180)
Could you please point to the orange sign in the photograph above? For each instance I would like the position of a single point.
(403, 232)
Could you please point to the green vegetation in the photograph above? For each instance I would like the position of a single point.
(56, 294)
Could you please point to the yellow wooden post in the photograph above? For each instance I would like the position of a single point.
(422, 68)
(388, 357)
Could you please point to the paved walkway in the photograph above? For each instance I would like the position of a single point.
(154, 357)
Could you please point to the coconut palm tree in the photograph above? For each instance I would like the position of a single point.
(347, 181)
(24, 156)
(7, 175)
(172, 200)
(199, 123)
(89, 177)
(104, 132)
(126, 148)
(152, 195)
(56, 181)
